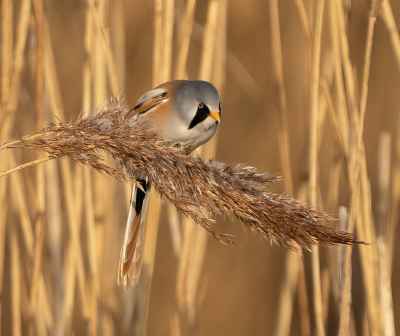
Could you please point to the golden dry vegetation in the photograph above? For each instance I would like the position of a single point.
(309, 90)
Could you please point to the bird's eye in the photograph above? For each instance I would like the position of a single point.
(200, 105)
(219, 108)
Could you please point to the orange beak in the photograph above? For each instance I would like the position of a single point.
(215, 116)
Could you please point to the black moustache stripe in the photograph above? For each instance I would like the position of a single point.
(201, 115)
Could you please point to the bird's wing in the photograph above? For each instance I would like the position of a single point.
(130, 261)
(155, 97)
(149, 100)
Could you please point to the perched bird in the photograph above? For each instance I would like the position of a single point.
(180, 112)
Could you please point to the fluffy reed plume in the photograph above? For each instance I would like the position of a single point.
(190, 184)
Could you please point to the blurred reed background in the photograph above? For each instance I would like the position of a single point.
(310, 89)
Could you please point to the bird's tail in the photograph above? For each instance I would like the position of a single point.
(130, 261)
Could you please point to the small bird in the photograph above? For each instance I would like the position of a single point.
(181, 112)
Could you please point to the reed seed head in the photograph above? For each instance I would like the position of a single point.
(193, 186)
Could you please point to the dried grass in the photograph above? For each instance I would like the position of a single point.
(184, 180)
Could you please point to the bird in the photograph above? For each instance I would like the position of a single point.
(182, 113)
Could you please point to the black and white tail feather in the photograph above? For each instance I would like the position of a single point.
(130, 262)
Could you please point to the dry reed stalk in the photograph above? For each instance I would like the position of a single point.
(105, 44)
(302, 298)
(368, 256)
(333, 189)
(357, 170)
(395, 200)
(162, 57)
(20, 44)
(187, 243)
(187, 26)
(158, 22)
(325, 291)
(109, 247)
(194, 239)
(40, 180)
(197, 253)
(199, 239)
(243, 77)
(118, 37)
(164, 71)
(385, 289)
(54, 219)
(54, 241)
(368, 262)
(384, 183)
(304, 21)
(11, 65)
(167, 41)
(313, 182)
(218, 74)
(184, 261)
(3, 216)
(25, 165)
(75, 212)
(348, 69)
(73, 225)
(302, 292)
(344, 322)
(7, 41)
(365, 325)
(36, 269)
(7, 110)
(339, 44)
(76, 269)
(88, 60)
(236, 67)
(40, 322)
(367, 65)
(342, 116)
(333, 120)
(15, 274)
(280, 87)
(18, 196)
(69, 289)
(93, 68)
(209, 39)
(180, 73)
(176, 231)
(101, 59)
(388, 18)
(384, 273)
(175, 324)
(292, 273)
(287, 294)
(321, 102)
(73, 259)
(332, 207)
(5, 72)
(339, 265)
(194, 242)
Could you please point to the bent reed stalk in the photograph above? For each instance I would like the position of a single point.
(190, 184)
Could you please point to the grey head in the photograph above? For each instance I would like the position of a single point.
(181, 112)
(195, 101)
